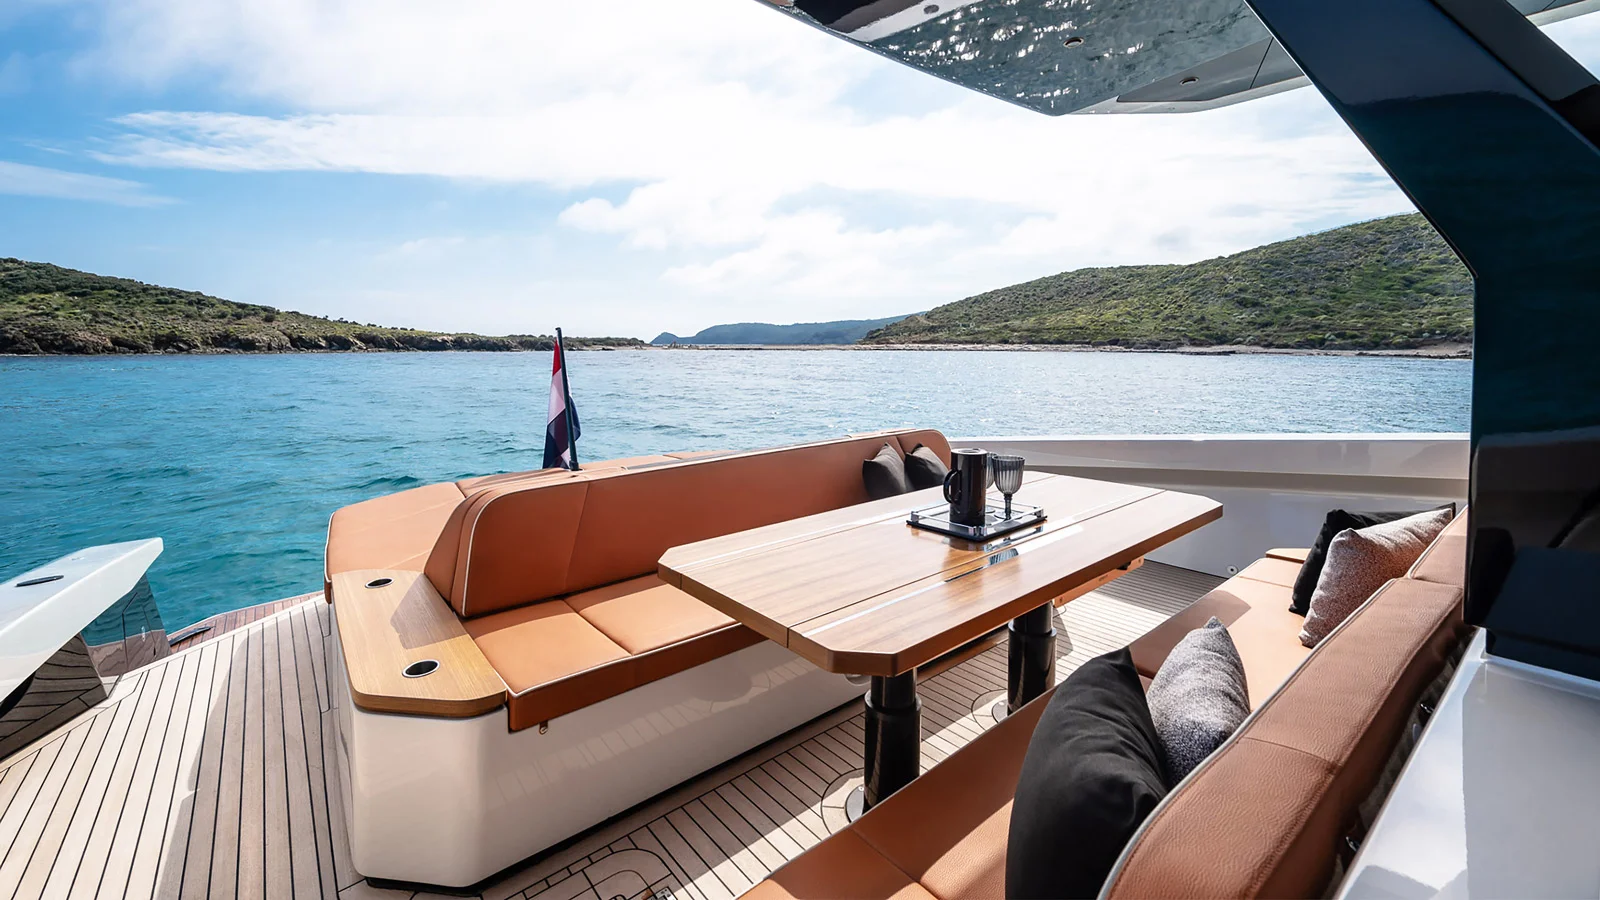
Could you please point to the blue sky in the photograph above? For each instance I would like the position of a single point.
(618, 168)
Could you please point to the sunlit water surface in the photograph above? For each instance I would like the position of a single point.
(237, 461)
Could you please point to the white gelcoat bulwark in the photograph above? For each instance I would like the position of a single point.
(1277, 488)
(1499, 797)
(452, 801)
(37, 620)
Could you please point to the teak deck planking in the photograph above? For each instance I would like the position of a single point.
(216, 626)
(212, 773)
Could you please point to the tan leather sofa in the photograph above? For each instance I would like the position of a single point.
(552, 573)
(1265, 816)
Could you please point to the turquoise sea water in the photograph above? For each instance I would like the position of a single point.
(237, 461)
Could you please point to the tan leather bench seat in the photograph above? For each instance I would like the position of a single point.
(562, 655)
(1445, 560)
(1255, 606)
(469, 486)
(396, 531)
(551, 572)
(944, 836)
(1265, 816)
(401, 530)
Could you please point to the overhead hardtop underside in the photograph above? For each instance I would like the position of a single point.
(1106, 56)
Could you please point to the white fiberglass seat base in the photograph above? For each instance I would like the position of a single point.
(450, 802)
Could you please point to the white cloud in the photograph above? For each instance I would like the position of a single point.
(37, 181)
(725, 147)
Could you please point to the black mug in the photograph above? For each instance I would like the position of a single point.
(966, 488)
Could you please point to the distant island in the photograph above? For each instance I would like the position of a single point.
(847, 331)
(1388, 284)
(47, 309)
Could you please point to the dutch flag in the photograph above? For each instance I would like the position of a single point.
(561, 429)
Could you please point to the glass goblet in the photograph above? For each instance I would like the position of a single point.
(1007, 476)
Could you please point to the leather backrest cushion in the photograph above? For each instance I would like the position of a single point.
(629, 520)
(512, 547)
(541, 537)
(1445, 561)
(1265, 815)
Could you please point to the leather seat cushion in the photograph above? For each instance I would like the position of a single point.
(559, 656)
(396, 531)
(843, 867)
(944, 836)
(1445, 561)
(1264, 815)
(1258, 619)
(1296, 555)
(471, 485)
(949, 830)
(1281, 572)
(644, 614)
(542, 643)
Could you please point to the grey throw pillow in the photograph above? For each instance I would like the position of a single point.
(1360, 560)
(1198, 697)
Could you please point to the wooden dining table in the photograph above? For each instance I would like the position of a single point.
(859, 591)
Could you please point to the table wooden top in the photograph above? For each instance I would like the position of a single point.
(859, 591)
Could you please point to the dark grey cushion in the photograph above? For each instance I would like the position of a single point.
(1091, 775)
(925, 468)
(1198, 697)
(885, 474)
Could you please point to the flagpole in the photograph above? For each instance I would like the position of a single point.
(566, 404)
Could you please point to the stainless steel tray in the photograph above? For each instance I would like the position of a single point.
(937, 518)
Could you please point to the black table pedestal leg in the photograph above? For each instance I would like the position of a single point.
(1031, 656)
(894, 739)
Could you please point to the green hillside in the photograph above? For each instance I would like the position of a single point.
(1386, 284)
(846, 331)
(48, 309)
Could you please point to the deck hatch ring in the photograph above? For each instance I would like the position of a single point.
(42, 579)
(380, 582)
(420, 668)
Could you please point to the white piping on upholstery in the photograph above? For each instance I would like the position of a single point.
(1238, 735)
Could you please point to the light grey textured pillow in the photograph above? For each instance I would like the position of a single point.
(1360, 561)
(1198, 697)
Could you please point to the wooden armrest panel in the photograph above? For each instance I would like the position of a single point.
(1289, 554)
(382, 630)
